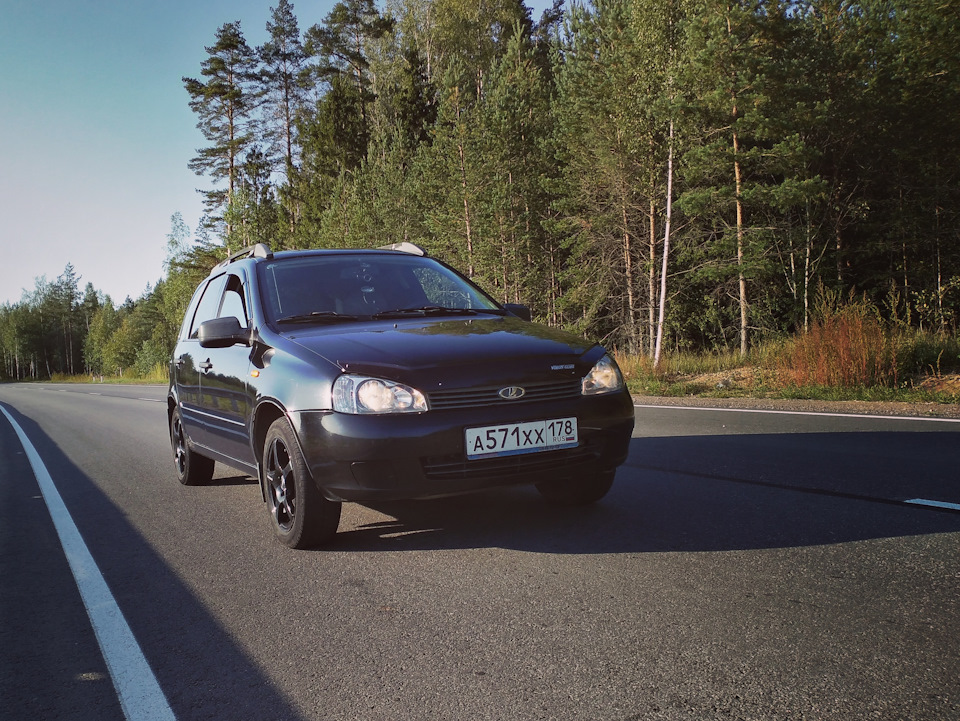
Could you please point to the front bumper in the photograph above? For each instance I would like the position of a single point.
(394, 457)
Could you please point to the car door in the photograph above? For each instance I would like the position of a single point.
(224, 391)
(188, 357)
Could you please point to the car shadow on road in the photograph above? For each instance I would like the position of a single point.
(231, 480)
(703, 493)
(200, 668)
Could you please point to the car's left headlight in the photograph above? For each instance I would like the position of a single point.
(604, 377)
(362, 394)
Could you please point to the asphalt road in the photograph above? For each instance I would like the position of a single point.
(745, 566)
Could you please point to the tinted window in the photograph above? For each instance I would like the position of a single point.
(442, 289)
(209, 303)
(233, 302)
(363, 285)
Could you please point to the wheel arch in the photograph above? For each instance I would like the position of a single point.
(264, 416)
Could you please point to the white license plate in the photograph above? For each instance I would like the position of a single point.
(531, 437)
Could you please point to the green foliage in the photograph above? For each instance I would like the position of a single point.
(224, 104)
(814, 145)
(534, 156)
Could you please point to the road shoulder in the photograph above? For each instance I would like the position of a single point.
(876, 408)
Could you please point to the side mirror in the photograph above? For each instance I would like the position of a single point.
(520, 311)
(222, 333)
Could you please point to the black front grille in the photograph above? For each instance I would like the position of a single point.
(479, 397)
(457, 468)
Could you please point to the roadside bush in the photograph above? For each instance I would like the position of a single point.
(847, 346)
(929, 353)
(152, 353)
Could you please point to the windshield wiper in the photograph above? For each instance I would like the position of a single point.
(424, 310)
(317, 316)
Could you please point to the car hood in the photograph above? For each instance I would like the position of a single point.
(428, 352)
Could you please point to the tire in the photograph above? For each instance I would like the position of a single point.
(577, 491)
(192, 468)
(302, 517)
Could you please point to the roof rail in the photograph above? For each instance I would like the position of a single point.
(404, 247)
(260, 250)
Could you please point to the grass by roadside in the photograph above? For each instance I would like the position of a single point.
(157, 375)
(849, 354)
(751, 382)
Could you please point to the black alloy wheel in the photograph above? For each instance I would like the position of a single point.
(192, 468)
(302, 517)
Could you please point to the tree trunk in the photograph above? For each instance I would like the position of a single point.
(466, 203)
(627, 240)
(466, 211)
(807, 260)
(629, 277)
(666, 253)
(744, 307)
(652, 277)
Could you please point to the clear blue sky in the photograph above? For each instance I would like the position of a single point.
(96, 133)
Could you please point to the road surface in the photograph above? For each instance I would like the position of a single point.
(745, 566)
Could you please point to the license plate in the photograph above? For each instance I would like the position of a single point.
(512, 438)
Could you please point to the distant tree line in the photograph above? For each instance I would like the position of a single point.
(58, 330)
(658, 174)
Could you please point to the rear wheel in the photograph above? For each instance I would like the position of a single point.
(192, 468)
(577, 491)
(302, 517)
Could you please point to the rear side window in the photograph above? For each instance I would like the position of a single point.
(209, 304)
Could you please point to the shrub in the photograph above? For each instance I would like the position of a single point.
(847, 346)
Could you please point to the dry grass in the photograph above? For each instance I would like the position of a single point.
(849, 353)
(848, 348)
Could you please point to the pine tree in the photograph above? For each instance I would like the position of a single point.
(283, 61)
(518, 257)
(284, 91)
(224, 103)
(735, 175)
(339, 46)
(604, 144)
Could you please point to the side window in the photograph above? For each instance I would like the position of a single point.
(209, 304)
(191, 312)
(233, 302)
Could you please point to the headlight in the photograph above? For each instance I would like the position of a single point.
(362, 394)
(604, 377)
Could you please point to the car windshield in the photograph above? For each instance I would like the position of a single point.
(341, 287)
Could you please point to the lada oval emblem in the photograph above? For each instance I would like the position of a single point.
(512, 393)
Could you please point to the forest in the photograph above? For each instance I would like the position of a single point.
(662, 176)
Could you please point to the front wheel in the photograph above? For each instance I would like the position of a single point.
(302, 517)
(192, 468)
(577, 491)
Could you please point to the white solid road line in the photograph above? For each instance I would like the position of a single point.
(801, 413)
(140, 695)
(934, 504)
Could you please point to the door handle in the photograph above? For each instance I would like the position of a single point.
(206, 365)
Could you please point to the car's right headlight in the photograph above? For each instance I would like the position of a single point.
(365, 395)
(604, 377)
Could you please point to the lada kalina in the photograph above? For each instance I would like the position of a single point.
(368, 375)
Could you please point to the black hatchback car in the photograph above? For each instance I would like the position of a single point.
(365, 375)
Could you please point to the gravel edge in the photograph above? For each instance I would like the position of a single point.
(873, 408)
